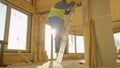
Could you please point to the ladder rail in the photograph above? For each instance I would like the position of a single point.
(64, 39)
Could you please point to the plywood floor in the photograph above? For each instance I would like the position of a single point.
(65, 64)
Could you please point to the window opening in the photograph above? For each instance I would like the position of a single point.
(18, 30)
(3, 11)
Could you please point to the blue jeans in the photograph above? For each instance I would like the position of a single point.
(58, 24)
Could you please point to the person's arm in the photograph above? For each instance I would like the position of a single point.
(61, 5)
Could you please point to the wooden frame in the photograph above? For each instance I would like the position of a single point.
(9, 6)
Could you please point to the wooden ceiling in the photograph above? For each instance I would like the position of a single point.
(45, 5)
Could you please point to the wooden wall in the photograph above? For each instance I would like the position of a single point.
(115, 9)
(37, 34)
(13, 58)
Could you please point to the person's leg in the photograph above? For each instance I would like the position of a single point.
(58, 24)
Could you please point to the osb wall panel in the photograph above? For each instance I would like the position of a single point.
(115, 14)
(73, 56)
(116, 26)
(115, 9)
(22, 4)
(77, 24)
(44, 5)
(43, 20)
(12, 58)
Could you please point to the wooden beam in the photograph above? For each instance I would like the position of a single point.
(22, 4)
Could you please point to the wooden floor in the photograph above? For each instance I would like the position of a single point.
(65, 64)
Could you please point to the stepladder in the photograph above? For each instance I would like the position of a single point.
(63, 42)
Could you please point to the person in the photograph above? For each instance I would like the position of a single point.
(55, 18)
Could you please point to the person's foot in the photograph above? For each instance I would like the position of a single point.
(56, 50)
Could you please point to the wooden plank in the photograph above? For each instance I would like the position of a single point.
(3, 42)
(24, 57)
(22, 4)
